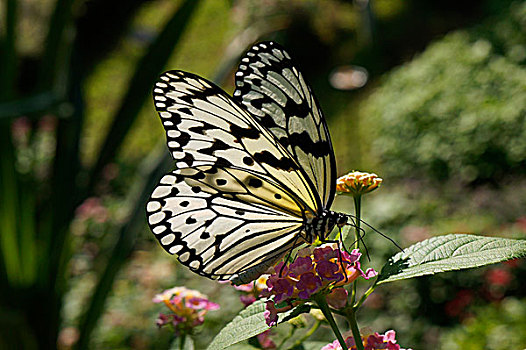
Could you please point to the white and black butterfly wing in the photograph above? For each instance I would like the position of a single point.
(232, 176)
(272, 89)
(205, 126)
(212, 229)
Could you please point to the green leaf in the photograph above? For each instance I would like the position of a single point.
(448, 253)
(248, 323)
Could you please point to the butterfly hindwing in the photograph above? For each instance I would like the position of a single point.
(212, 228)
(272, 89)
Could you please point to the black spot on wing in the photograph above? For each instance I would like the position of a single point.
(249, 133)
(320, 148)
(255, 183)
(248, 161)
(265, 157)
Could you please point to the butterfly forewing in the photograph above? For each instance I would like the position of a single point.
(272, 89)
(205, 126)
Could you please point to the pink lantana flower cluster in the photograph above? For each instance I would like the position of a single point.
(187, 307)
(370, 342)
(251, 291)
(316, 270)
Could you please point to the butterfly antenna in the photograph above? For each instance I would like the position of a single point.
(359, 239)
(375, 230)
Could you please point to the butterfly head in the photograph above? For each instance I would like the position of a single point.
(341, 219)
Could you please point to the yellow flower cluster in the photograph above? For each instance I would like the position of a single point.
(358, 183)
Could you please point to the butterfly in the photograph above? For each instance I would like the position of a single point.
(255, 173)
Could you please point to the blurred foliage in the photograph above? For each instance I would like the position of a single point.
(76, 256)
(458, 110)
(498, 326)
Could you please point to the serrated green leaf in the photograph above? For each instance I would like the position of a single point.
(248, 323)
(448, 253)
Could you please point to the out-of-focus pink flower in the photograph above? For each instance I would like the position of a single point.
(317, 270)
(265, 342)
(201, 303)
(374, 341)
(499, 277)
(188, 308)
(337, 298)
(92, 208)
(20, 129)
(456, 306)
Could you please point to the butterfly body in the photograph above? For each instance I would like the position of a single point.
(255, 173)
(320, 226)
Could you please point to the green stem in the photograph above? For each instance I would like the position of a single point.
(291, 333)
(351, 317)
(357, 213)
(322, 303)
(307, 335)
(183, 339)
(364, 296)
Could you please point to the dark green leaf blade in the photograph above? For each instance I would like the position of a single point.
(449, 253)
(248, 323)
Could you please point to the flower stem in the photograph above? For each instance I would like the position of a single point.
(307, 335)
(365, 295)
(351, 317)
(357, 214)
(291, 333)
(324, 307)
(181, 343)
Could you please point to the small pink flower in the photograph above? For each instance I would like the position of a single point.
(264, 340)
(329, 270)
(188, 308)
(300, 266)
(374, 341)
(335, 345)
(325, 253)
(369, 273)
(324, 269)
(162, 320)
(353, 257)
(281, 288)
(245, 287)
(201, 303)
(308, 284)
(252, 290)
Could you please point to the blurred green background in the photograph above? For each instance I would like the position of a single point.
(430, 95)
